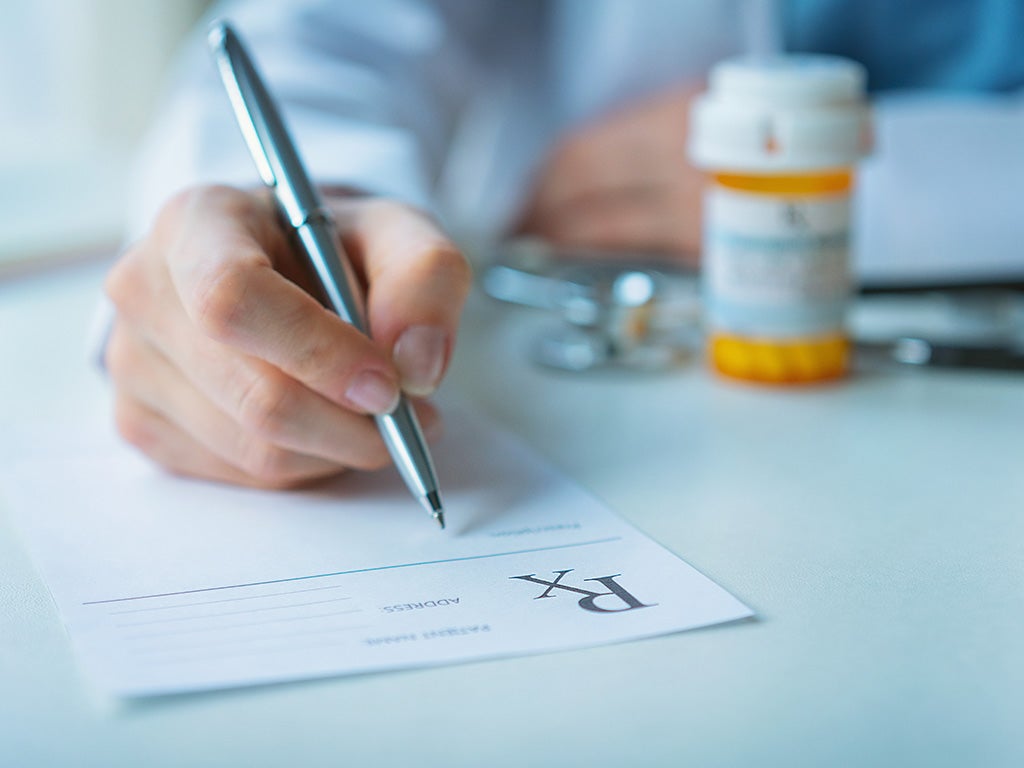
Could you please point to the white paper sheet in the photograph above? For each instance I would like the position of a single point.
(168, 585)
(939, 200)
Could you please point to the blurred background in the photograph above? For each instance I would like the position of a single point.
(78, 82)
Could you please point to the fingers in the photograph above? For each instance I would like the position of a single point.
(316, 440)
(260, 399)
(593, 164)
(230, 289)
(622, 183)
(147, 378)
(417, 284)
(646, 219)
(170, 446)
(225, 368)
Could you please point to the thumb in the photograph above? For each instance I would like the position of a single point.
(417, 282)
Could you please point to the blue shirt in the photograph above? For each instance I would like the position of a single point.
(936, 45)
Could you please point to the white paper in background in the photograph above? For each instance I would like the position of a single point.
(169, 585)
(941, 199)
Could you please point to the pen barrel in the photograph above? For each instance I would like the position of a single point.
(408, 448)
(281, 169)
(320, 241)
(400, 429)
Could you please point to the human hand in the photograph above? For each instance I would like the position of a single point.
(225, 367)
(622, 183)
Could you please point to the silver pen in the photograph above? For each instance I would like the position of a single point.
(280, 168)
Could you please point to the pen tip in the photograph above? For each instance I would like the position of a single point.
(434, 500)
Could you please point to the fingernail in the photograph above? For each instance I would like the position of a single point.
(373, 392)
(419, 356)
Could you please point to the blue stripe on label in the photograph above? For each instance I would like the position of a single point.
(816, 319)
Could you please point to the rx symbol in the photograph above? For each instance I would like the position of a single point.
(617, 595)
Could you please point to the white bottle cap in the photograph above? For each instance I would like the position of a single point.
(782, 114)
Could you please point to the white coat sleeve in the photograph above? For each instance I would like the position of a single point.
(371, 92)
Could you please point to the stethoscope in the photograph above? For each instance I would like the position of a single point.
(638, 314)
(643, 313)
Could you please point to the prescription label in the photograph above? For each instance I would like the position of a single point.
(776, 266)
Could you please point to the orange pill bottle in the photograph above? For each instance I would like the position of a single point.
(779, 139)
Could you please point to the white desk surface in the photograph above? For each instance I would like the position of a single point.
(877, 528)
